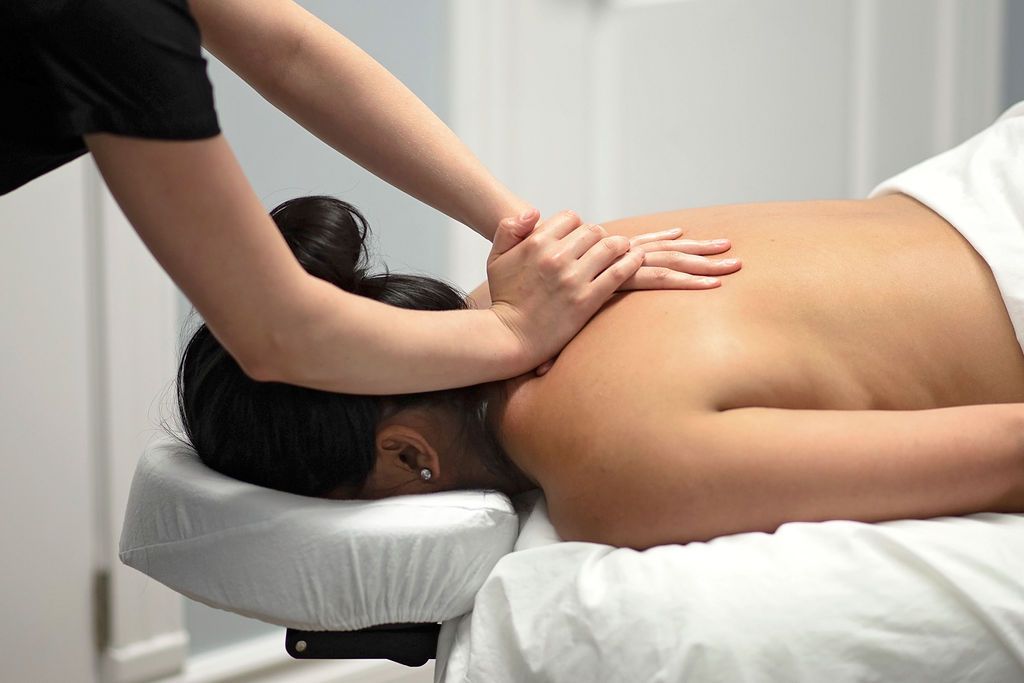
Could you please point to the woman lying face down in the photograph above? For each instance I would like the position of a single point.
(862, 366)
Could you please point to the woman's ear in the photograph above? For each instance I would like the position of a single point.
(407, 461)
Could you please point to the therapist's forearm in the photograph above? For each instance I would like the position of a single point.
(348, 100)
(201, 220)
(336, 341)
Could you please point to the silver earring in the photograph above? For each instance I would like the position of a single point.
(426, 474)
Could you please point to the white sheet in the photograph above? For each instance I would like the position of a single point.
(911, 600)
(978, 187)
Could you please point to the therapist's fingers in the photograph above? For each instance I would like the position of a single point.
(513, 230)
(620, 271)
(648, 277)
(559, 225)
(691, 264)
(670, 234)
(651, 242)
(527, 222)
(600, 253)
(582, 239)
(505, 237)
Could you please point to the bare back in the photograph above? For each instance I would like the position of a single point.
(848, 305)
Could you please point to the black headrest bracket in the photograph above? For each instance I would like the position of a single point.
(408, 644)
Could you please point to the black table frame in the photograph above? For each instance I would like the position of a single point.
(408, 644)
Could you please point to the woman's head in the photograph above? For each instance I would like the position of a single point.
(321, 443)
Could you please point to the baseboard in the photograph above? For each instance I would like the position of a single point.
(264, 660)
(145, 660)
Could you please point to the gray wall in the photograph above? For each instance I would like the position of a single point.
(282, 161)
(1014, 42)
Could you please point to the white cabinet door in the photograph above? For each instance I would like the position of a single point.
(620, 107)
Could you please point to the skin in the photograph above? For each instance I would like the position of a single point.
(862, 366)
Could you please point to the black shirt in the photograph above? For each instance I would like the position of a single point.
(72, 67)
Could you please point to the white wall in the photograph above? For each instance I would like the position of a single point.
(283, 161)
(47, 513)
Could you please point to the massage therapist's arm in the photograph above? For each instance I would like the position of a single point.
(752, 469)
(344, 97)
(197, 214)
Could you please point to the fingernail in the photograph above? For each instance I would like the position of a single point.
(729, 262)
(708, 280)
(525, 216)
(719, 241)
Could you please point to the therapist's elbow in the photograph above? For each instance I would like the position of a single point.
(279, 357)
(264, 355)
(279, 347)
(257, 360)
(260, 369)
(291, 346)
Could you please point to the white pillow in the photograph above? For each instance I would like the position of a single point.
(310, 563)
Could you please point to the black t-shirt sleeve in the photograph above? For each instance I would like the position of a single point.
(73, 67)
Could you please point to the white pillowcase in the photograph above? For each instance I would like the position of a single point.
(310, 563)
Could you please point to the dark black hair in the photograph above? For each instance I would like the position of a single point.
(292, 438)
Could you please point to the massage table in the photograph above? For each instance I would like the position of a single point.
(484, 584)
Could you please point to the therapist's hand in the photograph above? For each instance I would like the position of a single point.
(545, 286)
(671, 262)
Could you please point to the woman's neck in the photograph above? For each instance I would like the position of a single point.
(492, 454)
